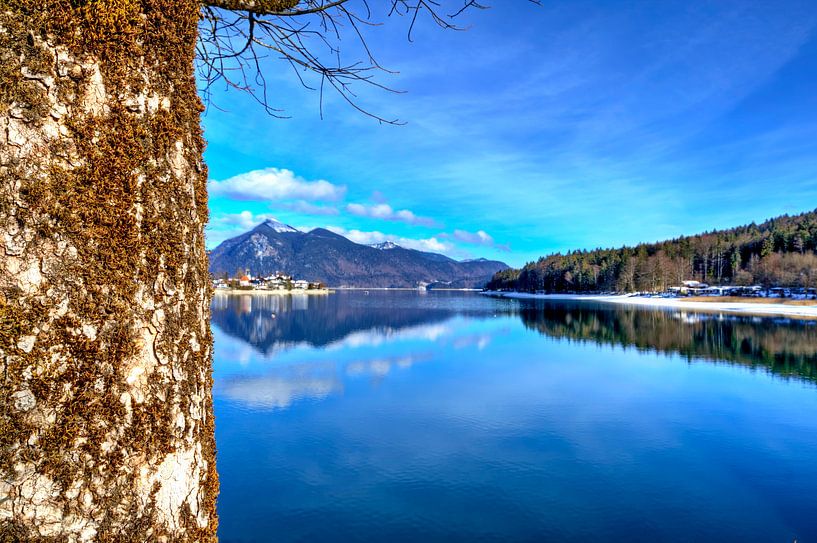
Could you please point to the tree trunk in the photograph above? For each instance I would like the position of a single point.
(106, 423)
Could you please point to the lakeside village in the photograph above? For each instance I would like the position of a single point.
(696, 288)
(278, 282)
(699, 289)
(687, 289)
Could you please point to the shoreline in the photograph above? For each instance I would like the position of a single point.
(293, 292)
(410, 288)
(763, 309)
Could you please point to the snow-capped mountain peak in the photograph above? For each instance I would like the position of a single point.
(322, 255)
(385, 245)
(279, 226)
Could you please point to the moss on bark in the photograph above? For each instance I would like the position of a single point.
(104, 338)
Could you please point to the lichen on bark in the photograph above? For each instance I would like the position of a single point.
(106, 424)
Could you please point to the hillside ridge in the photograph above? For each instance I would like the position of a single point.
(779, 251)
(324, 256)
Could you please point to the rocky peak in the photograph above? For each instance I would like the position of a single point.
(385, 245)
(277, 226)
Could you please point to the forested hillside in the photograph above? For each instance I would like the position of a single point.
(780, 251)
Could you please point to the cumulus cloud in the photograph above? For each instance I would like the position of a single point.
(431, 244)
(480, 237)
(227, 225)
(275, 184)
(385, 212)
(244, 220)
(306, 208)
(224, 226)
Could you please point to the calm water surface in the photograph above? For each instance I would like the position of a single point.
(407, 416)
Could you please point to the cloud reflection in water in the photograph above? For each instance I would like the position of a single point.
(273, 354)
(279, 389)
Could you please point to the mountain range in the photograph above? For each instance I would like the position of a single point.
(322, 255)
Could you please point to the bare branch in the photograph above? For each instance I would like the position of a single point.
(239, 37)
(259, 7)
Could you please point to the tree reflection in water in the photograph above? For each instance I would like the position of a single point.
(271, 324)
(785, 347)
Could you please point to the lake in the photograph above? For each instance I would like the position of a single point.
(449, 416)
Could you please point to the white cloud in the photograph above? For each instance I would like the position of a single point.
(227, 225)
(275, 184)
(304, 207)
(431, 244)
(480, 237)
(385, 212)
(243, 221)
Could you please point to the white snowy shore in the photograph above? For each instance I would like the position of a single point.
(745, 308)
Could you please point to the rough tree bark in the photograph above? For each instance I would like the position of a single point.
(106, 419)
(106, 423)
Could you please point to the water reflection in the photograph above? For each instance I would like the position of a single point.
(785, 347)
(278, 350)
(281, 387)
(398, 330)
(275, 323)
(382, 335)
(381, 366)
(408, 417)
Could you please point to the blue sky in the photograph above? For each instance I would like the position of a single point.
(542, 128)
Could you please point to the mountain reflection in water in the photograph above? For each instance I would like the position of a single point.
(444, 416)
(254, 328)
(272, 323)
(275, 324)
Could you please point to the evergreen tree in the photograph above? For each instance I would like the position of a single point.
(778, 252)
